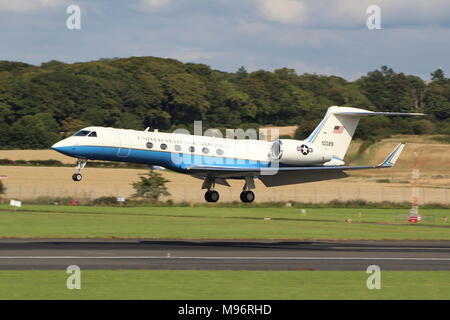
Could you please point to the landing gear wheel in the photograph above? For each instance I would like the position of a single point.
(212, 196)
(77, 177)
(247, 196)
(81, 163)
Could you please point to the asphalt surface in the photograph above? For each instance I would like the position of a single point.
(27, 254)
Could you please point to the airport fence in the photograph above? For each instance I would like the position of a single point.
(298, 193)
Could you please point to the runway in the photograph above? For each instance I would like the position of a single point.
(29, 254)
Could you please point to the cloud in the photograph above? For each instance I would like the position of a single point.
(315, 36)
(251, 28)
(153, 5)
(352, 13)
(284, 11)
(24, 6)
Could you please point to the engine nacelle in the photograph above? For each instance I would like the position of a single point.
(298, 153)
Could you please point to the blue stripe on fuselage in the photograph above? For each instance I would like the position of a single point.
(173, 161)
(317, 130)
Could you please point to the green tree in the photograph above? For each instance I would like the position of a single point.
(238, 101)
(390, 91)
(71, 125)
(438, 75)
(437, 100)
(53, 64)
(5, 114)
(151, 187)
(187, 97)
(157, 119)
(241, 73)
(39, 131)
(305, 129)
(129, 121)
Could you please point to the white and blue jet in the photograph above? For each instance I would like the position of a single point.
(214, 160)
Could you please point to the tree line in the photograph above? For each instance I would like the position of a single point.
(41, 104)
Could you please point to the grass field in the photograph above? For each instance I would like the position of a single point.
(150, 284)
(211, 222)
(225, 223)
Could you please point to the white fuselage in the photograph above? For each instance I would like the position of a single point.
(180, 151)
(171, 150)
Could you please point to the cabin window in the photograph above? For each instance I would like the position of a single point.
(93, 134)
(177, 148)
(149, 145)
(82, 133)
(191, 149)
(205, 150)
(163, 146)
(219, 152)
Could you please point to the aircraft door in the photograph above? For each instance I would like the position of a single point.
(124, 145)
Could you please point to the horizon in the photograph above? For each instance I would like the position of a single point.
(215, 69)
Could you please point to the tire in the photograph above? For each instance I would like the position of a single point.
(212, 196)
(77, 177)
(247, 196)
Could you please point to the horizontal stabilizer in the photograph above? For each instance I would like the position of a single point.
(372, 113)
(392, 157)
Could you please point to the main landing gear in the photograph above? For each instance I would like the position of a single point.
(246, 196)
(81, 163)
(210, 195)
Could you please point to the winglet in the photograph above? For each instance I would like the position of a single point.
(392, 157)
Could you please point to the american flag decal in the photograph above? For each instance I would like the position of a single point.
(338, 129)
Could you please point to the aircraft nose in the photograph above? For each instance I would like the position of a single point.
(61, 145)
(57, 146)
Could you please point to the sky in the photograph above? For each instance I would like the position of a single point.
(327, 37)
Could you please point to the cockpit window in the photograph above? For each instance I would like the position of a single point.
(82, 133)
(93, 134)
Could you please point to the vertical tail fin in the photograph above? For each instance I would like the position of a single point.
(335, 132)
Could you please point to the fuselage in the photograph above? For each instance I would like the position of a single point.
(170, 150)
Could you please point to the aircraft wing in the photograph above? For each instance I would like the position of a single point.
(277, 176)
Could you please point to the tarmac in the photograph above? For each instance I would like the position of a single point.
(52, 254)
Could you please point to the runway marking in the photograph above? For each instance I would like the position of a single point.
(223, 258)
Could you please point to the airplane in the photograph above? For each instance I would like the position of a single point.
(216, 160)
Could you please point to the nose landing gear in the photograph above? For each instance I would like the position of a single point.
(77, 177)
(81, 163)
